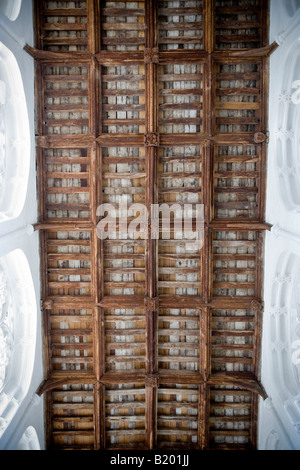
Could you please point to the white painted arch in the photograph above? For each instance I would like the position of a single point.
(14, 137)
(284, 334)
(18, 323)
(11, 8)
(292, 6)
(288, 132)
(29, 440)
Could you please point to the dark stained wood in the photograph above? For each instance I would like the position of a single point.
(132, 102)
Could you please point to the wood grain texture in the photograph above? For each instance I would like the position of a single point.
(148, 345)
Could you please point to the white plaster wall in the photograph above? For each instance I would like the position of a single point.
(279, 415)
(17, 233)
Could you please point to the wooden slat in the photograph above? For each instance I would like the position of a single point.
(158, 374)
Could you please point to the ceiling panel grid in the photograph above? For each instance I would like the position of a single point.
(147, 344)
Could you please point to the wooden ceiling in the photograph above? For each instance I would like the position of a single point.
(147, 345)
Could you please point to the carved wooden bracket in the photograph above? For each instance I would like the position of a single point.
(152, 380)
(47, 304)
(151, 139)
(151, 304)
(151, 56)
(54, 382)
(260, 138)
(42, 141)
(257, 305)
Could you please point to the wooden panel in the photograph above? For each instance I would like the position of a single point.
(179, 191)
(67, 183)
(180, 25)
(123, 102)
(139, 103)
(66, 99)
(229, 418)
(236, 182)
(65, 26)
(180, 98)
(179, 266)
(177, 421)
(232, 340)
(124, 267)
(238, 24)
(125, 340)
(180, 175)
(178, 339)
(238, 97)
(71, 339)
(124, 181)
(125, 410)
(72, 409)
(123, 25)
(235, 263)
(124, 173)
(69, 264)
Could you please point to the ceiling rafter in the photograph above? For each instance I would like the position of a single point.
(129, 335)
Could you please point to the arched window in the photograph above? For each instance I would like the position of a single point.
(14, 137)
(17, 333)
(11, 8)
